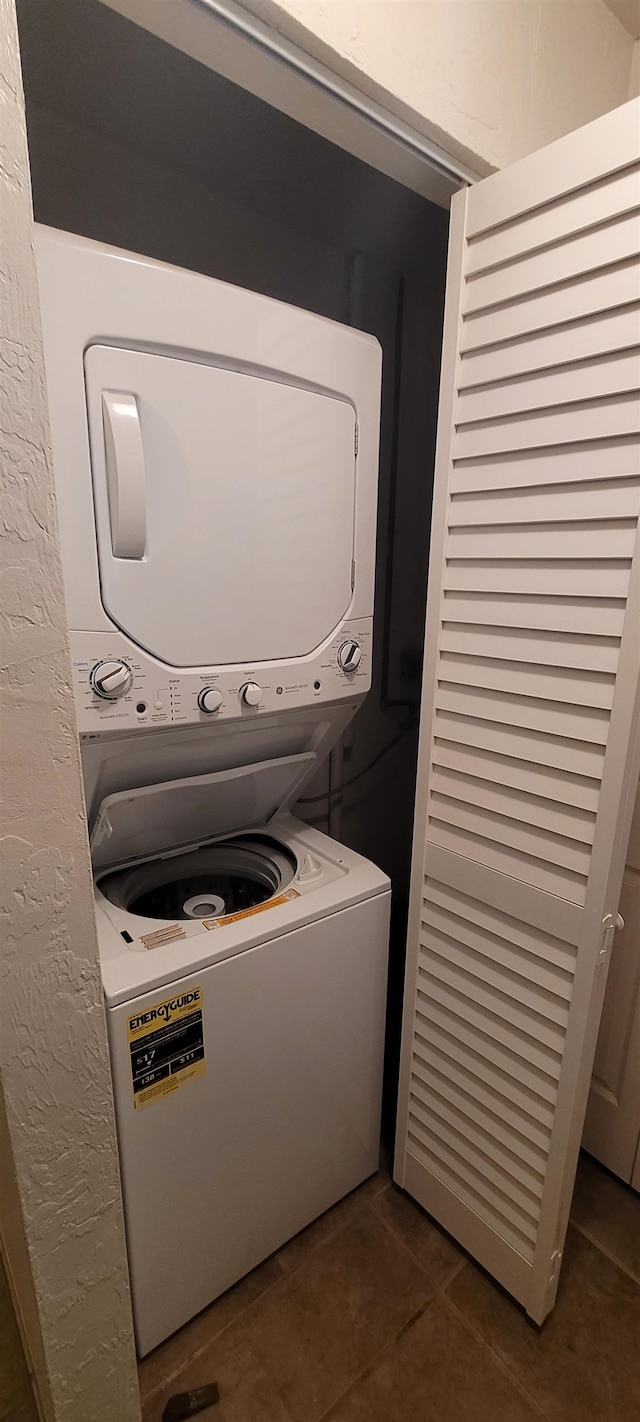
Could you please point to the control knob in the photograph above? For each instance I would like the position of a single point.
(349, 656)
(111, 679)
(210, 699)
(251, 693)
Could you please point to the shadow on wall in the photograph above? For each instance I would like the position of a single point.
(16, 1394)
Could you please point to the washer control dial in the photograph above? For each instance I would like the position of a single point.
(111, 679)
(349, 656)
(210, 699)
(251, 693)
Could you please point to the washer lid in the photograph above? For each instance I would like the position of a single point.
(175, 814)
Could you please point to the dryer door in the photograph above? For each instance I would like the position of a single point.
(224, 508)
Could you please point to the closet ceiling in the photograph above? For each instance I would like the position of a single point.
(628, 13)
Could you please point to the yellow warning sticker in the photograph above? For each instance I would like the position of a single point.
(247, 913)
(166, 1046)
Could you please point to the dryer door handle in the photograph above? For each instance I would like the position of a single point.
(124, 456)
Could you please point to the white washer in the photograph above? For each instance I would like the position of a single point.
(215, 456)
(276, 1042)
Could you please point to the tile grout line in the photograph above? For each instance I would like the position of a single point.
(313, 1249)
(457, 1269)
(500, 1361)
(439, 1290)
(391, 1343)
(367, 1207)
(613, 1258)
(397, 1238)
(440, 1293)
(148, 1397)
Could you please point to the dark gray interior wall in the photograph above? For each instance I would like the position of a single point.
(135, 144)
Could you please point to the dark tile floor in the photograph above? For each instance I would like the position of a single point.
(374, 1315)
(16, 1397)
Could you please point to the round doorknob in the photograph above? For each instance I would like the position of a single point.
(111, 679)
(251, 693)
(210, 699)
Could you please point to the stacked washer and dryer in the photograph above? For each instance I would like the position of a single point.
(215, 456)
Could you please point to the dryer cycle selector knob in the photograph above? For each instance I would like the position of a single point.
(349, 656)
(111, 679)
(210, 699)
(251, 693)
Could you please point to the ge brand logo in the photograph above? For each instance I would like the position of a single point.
(278, 691)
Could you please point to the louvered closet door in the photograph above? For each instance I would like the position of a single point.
(529, 741)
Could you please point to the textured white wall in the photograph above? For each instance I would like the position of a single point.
(491, 80)
(53, 1050)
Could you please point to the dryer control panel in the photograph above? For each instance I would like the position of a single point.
(118, 687)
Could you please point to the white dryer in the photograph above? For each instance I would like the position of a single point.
(215, 455)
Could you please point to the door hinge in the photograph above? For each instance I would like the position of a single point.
(355, 441)
(610, 923)
(353, 573)
(556, 1260)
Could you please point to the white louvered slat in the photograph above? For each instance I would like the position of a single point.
(537, 748)
(531, 942)
(555, 502)
(564, 787)
(521, 865)
(571, 256)
(583, 380)
(533, 713)
(493, 1163)
(500, 829)
(590, 579)
(461, 997)
(559, 424)
(605, 618)
(597, 540)
(482, 1085)
(585, 296)
(431, 1085)
(515, 1094)
(493, 1167)
(468, 951)
(561, 172)
(531, 697)
(547, 350)
(579, 688)
(528, 966)
(523, 1070)
(570, 822)
(601, 459)
(557, 649)
(462, 1165)
(589, 207)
